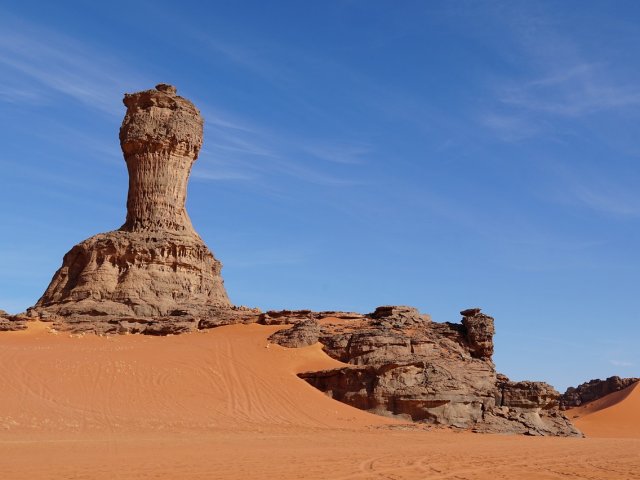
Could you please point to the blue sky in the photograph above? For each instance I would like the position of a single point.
(357, 153)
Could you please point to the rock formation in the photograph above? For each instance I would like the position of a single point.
(593, 390)
(302, 334)
(10, 323)
(154, 274)
(403, 364)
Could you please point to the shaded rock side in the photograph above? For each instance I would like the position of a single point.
(593, 390)
(529, 408)
(302, 334)
(407, 366)
(155, 265)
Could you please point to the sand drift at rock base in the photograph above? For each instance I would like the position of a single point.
(228, 404)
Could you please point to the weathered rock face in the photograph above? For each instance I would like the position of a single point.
(10, 323)
(160, 136)
(302, 334)
(528, 408)
(593, 390)
(403, 364)
(479, 332)
(288, 317)
(155, 265)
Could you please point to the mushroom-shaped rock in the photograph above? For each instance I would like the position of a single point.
(155, 265)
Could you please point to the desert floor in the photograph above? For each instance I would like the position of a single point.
(226, 404)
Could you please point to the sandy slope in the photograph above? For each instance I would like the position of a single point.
(615, 415)
(224, 404)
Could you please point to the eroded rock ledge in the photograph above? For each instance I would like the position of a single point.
(9, 323)
(402, 364)
(593, 390)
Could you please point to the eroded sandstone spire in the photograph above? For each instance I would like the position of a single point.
(155, 265)
(160, 137)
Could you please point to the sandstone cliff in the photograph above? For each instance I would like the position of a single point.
(403, 364)
(593, 390)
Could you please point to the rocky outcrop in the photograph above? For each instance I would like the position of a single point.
(593, 390)
(155, 276)
(479, 332)
(397, 316)
(155, 268)
(402, 364)
(529, 408)
(302, 334)
(10, 323)
(289, 317)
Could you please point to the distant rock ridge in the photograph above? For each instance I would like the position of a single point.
(593, 390)
(9, 323)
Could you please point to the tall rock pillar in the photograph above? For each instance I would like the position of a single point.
(155, 265)
(160, 137)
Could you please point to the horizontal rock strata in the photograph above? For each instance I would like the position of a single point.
(155, 267)
(593, 390)
(402, 364)
(302, 334)
(10, 323)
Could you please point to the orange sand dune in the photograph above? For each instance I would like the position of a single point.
(226, 404)
(229, 378)
(615, 415)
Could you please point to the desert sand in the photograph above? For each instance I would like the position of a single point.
(616, 415)
(227, 404)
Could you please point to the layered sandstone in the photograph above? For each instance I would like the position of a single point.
(593, 390)
(10, 323)
(402, 364)
(155, 268)
(154, 275)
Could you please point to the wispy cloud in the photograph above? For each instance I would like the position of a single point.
(269, 257)
(51, 62)
(20, 95)
(621, 363)
(605, 192)
(345, 154)
(579, 89)
(554, 78)
(509, 127)
(240, 150)
(220, 175)
(40, 65)
(608, 198)
(251, 58)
